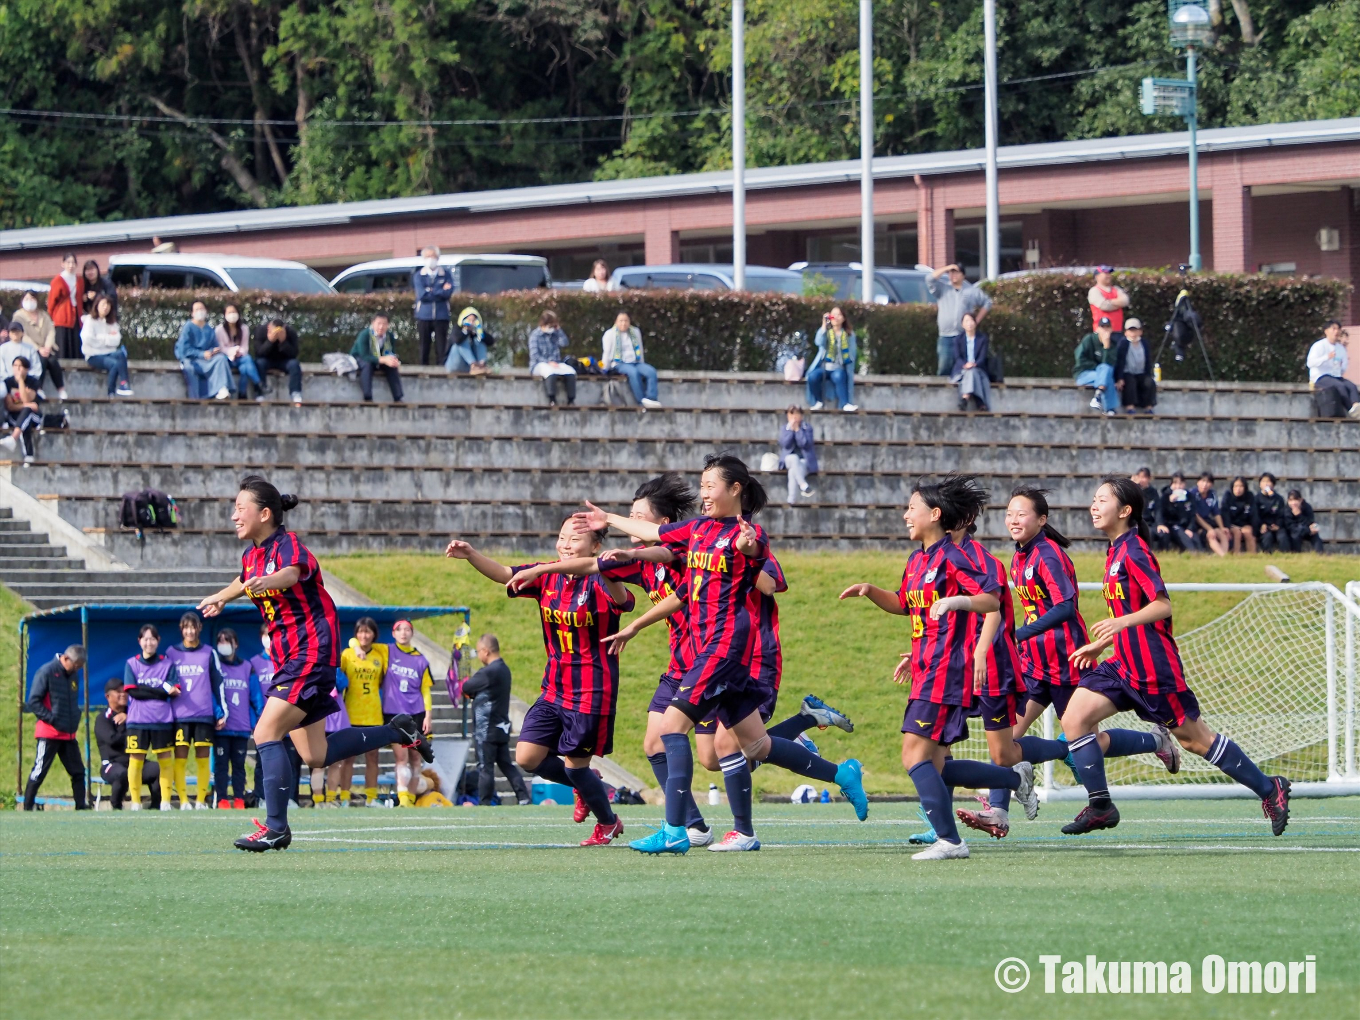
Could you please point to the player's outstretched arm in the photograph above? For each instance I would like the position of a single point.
(595, 519)
(881, 597)
(213, 604)
(484, 565)
(580, 566)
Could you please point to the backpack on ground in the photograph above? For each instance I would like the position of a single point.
(149, 508)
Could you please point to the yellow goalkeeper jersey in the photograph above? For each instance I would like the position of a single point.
(363, 696)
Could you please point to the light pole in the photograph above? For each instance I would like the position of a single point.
(866, 147)
(738, 144)
(993, 266)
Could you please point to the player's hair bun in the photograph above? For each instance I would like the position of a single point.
(288, 501)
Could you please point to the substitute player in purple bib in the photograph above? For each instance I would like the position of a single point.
(1145, 675)
(242, 700)
(283, 579)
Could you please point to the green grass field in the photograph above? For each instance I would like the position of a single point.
(495, 913)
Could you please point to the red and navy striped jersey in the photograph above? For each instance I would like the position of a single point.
(303, 626)
(577, 614)
(719, 579)
(1043, 577)
(658, 580)
(1147, 656)
(941, 666)
(767, 661)
(1003, 660)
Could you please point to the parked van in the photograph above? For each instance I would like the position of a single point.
(178, 271)
(704, 276)
(472, 274)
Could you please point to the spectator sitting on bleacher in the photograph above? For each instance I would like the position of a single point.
(110, 732)
(200, 357)
(1133, 376)
(101, 342)
(22, 414)
(835, 359)
(489, 689)
(1327, 364)
(1176, 516)
(621, 354)
(233, 340)
(374, 352)
(546, 344)
(467, 350)
(276, 350)
(16, 345)
(1270, 514)
(1239, 514)
(797, 452)
(39, 331)
(1094, 366)
(1209, 514)
(1300, 531)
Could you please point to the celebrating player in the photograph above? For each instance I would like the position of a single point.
(574, 715)
(282, 577)
(364, 664)
(1145, 674)
(406, 690)
(151, 684)
(241, 701)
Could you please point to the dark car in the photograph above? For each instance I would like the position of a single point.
(892, 286)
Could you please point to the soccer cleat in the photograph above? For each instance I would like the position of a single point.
(802, 738)
(669, 839)
(1168, 750)
(994, 821)
(202, 805)
(238, 803)
(736, 841)
(166, 806)
(413, 737)
(264, 838)
(604, 834)
(850, 778)
(579, 809)
(524, 802)
(699, 837)
(1025, 793)
(1276, 806)
(927, 837)
(135, 805)
(186, 806)
(1091, 819)
(1067, 760)
(826, 715)
(224, 804)
(943, 850)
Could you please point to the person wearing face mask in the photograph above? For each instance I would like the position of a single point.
(39, 331)
(96, 285)
(200, 357)
(241, 700)
(468, 352)
(65, 303)
(433, 285)
(233, 340)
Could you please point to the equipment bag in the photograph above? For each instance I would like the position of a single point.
(149, 508)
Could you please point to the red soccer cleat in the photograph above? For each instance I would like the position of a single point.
(579, 812)
(239, 803)
(224, 804)
(604, 834)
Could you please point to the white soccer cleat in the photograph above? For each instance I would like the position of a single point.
(166, 806)
(700, 837)
(1026, 794)
(995, 821)
(135, 805)
(200, 806)
(1168, 750)
(735, 841)
(943, 850)
(186, 806)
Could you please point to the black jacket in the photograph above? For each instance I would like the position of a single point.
(285, 350)
(1151, 497)
(1121, 354)
(1271, 509)
(1302, 522)
(103, 287)
(1175, 514)
(112, 738)
(1239, 511)
(489, 689)
(55, 697)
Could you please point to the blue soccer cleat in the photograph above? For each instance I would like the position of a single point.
(826, 715)
(669, 839)
(802, 738)
(850, 778)
(927, 837)
(1070, 763)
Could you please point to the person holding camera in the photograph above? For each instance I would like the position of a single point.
(837, 354)
(433, 285)
(468, 352)
(952, 301)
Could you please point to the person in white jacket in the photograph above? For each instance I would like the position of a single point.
(101, 341)
(1327, 364)
(622, 355)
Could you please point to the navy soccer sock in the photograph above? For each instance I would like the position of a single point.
(694, 818)
(1037, 750)
(1000, 798)
(357, 740)
(278, 783)
(1126, 742)
(978, 775)
(791, 755)
(1090, 762)
(934, 794)
(679, 776)
(737, 779)
(791, 727)
(1230, 759)
(554, 770)
(593, 793)
(658, 763)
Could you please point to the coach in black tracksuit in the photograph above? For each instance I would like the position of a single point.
(55, 699)
(489, 689)
(110, 733)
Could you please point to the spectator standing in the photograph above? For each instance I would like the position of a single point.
(406, 689)
(1094, 366)
(65, 302)
(1239, 514)
(150, 682)
(23, 416)
(797, 452)
(374, 352)
(970, 366)
(1300, 529)
(1133, 376)
(96, 284)
(1270, 514)
(952, 300)
(39, 331)
(55, 699)
(1143, 479)
(837, 354)
(599, 278)
(276, 350)
(1106, 300)
(546, 344)
(110, 733)
(622, 355)
(242, 701)
(1328, 359)
(433, 285)
(101, 342)
(233, 340)
(364, 665)
(489, 689)
(199, 356)
(1209, 515)
(468, 351)
(1176, 516)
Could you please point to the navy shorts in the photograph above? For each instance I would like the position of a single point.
(566, 731)
(720, 688)
(1042, 692)
(308, 687)
(944, 724)
(997, 711)
(194, 732)
(665, 692)
(1171, 709)
(709, 724)
(141, 739)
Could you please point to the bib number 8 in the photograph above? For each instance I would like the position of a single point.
(403, 687)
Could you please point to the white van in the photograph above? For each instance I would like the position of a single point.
(472, 274)
(176, 271)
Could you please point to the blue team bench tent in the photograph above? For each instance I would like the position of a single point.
(109, 634)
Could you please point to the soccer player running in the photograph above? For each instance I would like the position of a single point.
(151, 683)
(940, 584)
(724, 553)
(364, 664)
(281, 576)
(1145, 674)
(406, 690)
(573, 717)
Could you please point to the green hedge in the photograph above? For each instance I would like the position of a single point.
(1257, 328)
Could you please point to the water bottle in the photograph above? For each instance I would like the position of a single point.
(713, 793)
(826, 796)
(1157, 372)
